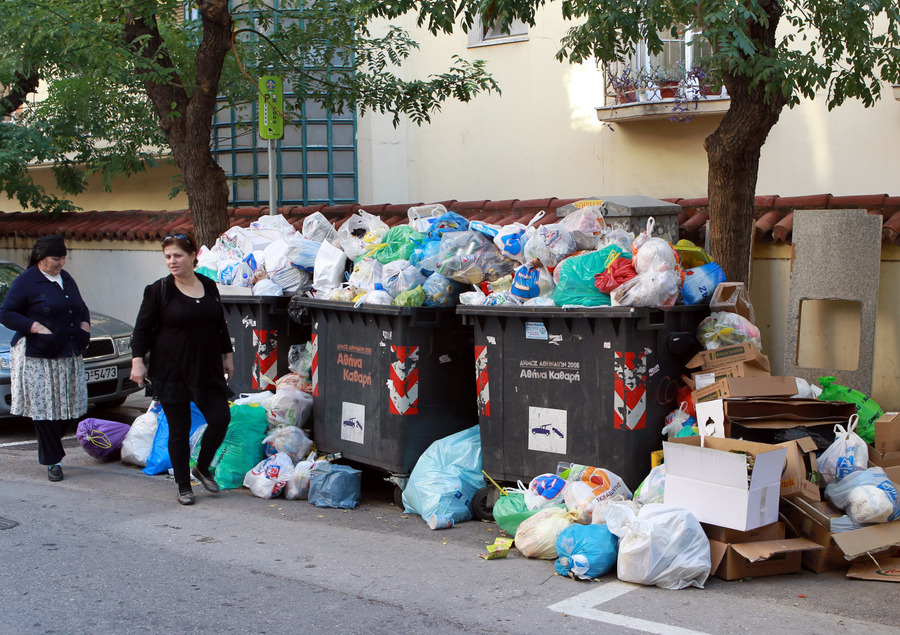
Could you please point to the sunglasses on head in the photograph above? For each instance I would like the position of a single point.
(176, 236)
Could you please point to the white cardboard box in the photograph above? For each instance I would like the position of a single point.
(711, 482)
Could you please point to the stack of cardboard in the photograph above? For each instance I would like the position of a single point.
(758, 498)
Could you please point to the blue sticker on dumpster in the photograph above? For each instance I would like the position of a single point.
(535, 331)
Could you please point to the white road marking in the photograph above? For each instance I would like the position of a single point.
(583, 605)
(14, 443)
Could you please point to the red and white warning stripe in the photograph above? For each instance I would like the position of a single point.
(314, 369)
(403, 384)
(265, 364)
(630, 407)
(482, 387)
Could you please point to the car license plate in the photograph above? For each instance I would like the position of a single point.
(101, 374)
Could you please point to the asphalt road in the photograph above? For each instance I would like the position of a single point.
(108, 550)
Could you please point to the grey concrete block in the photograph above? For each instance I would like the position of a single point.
(837, 256)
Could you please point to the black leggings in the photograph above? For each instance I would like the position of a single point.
(214, 407)
(49, 435)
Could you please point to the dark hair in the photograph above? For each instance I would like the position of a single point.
(52, 245)
(185, 242)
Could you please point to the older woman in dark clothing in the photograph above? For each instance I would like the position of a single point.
(52, 327)
(181, 324)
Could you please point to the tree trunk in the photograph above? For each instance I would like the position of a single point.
(186, 119)
(733, 152)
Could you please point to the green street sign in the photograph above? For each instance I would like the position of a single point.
(271, 105)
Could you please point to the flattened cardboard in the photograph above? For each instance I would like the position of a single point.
(760, 419)
(746, 352)
(887, 570)
(766, 386)
(711, 481)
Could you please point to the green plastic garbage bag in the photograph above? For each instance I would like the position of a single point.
(867, 410)
(400, 241)
(510, 511)
(412, 297)
(243, 446)
(576, 278)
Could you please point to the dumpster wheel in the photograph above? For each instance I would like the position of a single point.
(398, 497)
(483, 503)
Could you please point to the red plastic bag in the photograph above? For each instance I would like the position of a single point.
(618, 272)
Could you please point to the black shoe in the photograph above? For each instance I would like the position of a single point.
(207, 481)
(55, 473)
(186, 497)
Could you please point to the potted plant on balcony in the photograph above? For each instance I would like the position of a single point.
(627, 84)
(667, 80)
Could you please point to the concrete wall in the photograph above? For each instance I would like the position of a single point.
(111, 280)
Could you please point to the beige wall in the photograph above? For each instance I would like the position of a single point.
(542, 138)
(146, 191)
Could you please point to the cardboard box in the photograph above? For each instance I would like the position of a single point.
(813, 521)
(711, 482)
(746, 387)
(746, 352)
(732, 297)
(753, 554)
(227, 290)
(801, 464)
(704, 378)
(885, 452)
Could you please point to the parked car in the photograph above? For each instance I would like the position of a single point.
(107, 358)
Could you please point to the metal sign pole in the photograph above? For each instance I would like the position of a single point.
(273, 199)
(271, 127)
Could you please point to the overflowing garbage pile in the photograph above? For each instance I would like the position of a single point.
(439, 258)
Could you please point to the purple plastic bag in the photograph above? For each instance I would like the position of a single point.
(100, 438)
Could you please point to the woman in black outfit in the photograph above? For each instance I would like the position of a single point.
(181, 324)
(52, 327)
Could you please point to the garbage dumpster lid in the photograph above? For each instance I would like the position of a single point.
(573, 312)
(383, 309)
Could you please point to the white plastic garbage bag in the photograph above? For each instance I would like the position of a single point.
(545, 491)
(868, 496)
(297, 486)
(661, 545)
(329, 268)
(318, 228)
(138, 441)
(270, 475)
(289, 407)
(290, 440)
(849, 453)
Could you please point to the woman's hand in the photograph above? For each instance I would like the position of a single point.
(138, 371)
(228, 365)
(86, 326)
(37, 327)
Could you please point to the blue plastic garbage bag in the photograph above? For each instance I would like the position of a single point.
(159, 462)
(586, 551)
(334, 486)
(701, 282)
(446, 477)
